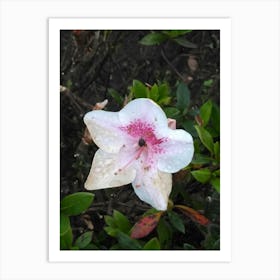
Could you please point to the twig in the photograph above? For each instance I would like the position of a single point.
(171, 65)
(75, 99)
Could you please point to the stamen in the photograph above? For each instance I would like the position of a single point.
(137, 156)
(142, 142)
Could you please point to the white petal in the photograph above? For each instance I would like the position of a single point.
(104, 172)
(153, 187)
(146, 110)
(178, 151)
(104, 130)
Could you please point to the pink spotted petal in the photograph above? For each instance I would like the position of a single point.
(104, 172)
(104, 130)
(178, 151)
(146, 110)
(153, 187)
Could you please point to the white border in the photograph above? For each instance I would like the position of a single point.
(55, 25)
(24, 147)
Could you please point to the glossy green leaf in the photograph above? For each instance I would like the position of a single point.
(215, 182)
(185, 43)
(84, 240)
(139, 89)
(208, 83)
(176, 221)
(215, 117)
(121, 221)
(163, 90)
(205, 112)
(188, 125)
(175, 33)
(66, 236)
(154, 94)
(152, 244)
(183, 96)
(112, 231)
(200, 159)
(126, 242)
(205, 137)
(91, 246)
(153, 39)
(116, 96)
(217, 150)
(202, 175)
(164, 232)
(164, 100)
(110, 221)
(76, 203)
(171, 112)
(188, 246)
(64, 223)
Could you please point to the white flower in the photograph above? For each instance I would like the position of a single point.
(137, 146)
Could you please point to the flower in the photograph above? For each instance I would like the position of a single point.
(137, 146)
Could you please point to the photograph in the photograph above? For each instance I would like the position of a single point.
(140, 139)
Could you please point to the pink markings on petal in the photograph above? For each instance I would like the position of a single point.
(141, 130)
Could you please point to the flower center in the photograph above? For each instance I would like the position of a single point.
(142, 142)
(144, 133)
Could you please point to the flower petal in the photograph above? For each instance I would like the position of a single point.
(103, 173)
(178, 151)
(153, 187)
(146, 110)
(104, 130)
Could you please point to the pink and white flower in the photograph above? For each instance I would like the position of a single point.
(137, 146)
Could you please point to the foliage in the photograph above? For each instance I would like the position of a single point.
(115, 219)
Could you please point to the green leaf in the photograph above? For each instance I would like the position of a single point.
(153, 39)
(164, 100)
(202, 175)
(205, 112)
(216, 173)
(76, 203)
(217, 150)
(176, 221)
(152, 244)
(208, 83)
(66, 236)
(205, 137)
(188, 246)
(121, 221)
(110, 221)
(163, 90)
(64, 223)
(183, 96)
(171, 112)
(215, 182)
(126, 242)
(139, 89)
(175, 33)
(185, 43)
(84, 240)
(154, 94)
(117, 97)
(91, 246)
(164, 232)
(201, 159)
(215, 117)
(188, 125)
(111, 231)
